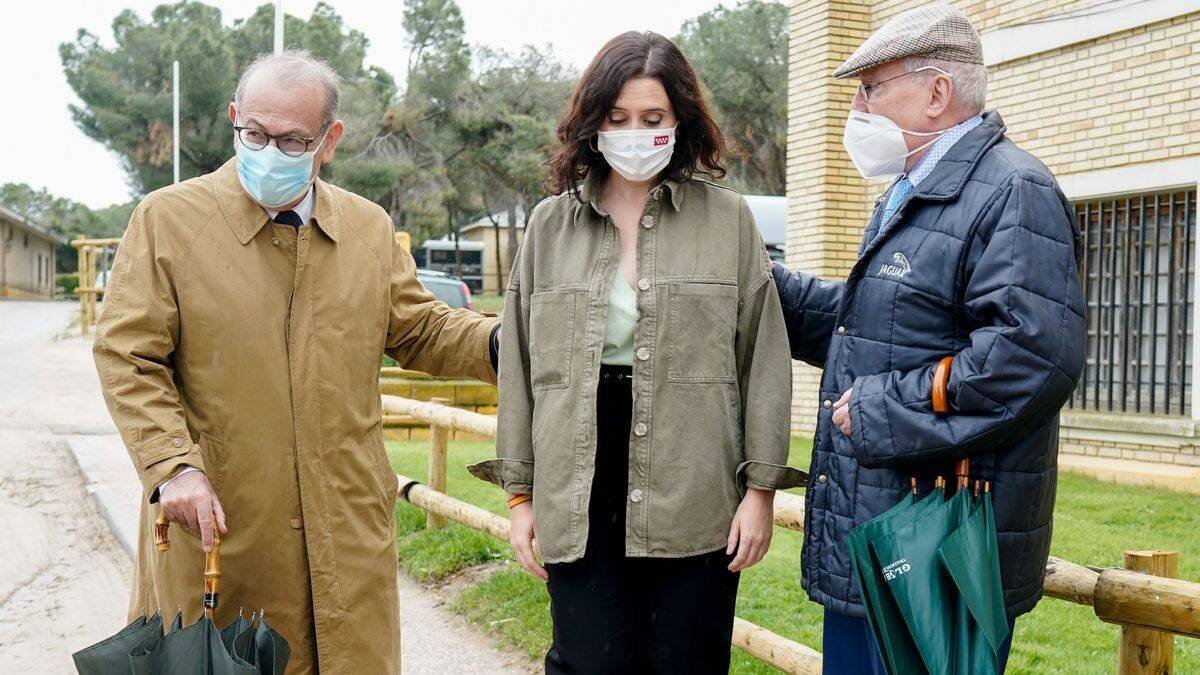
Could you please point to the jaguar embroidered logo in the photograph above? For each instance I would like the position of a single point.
(897, 269)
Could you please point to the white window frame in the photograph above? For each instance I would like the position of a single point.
(1053, 32)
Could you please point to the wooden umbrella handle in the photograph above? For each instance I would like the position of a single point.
(941, 379)
(212, 563)
(962, 469)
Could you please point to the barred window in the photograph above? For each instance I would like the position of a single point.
(1137, 277)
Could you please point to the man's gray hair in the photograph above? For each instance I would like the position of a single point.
(970, 80)
(296, 66)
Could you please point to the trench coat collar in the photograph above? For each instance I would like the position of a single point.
(245, 217)
(592, 187)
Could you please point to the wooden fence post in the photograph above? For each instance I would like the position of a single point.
(439, 436)
(92, 252)
(81, 282)
(1142, 651)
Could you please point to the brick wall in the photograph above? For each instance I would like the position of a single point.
(1118, 100)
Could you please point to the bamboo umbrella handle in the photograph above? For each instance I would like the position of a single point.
(212, 563)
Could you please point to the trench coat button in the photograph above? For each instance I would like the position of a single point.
(643, 354)
(178, 442)
(640, 429)
(296, 524)
(644, 284)
(274, 241)
(826, 403)
(635, 496)
(647, 222)
(822, 479)
(841, 330)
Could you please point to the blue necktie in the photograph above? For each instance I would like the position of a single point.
(899, 193)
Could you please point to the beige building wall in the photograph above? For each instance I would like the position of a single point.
(1115, 105)
(26, 263)
(487, 235)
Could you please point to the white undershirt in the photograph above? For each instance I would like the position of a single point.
(304, 209)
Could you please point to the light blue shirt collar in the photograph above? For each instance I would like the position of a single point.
(940, 147)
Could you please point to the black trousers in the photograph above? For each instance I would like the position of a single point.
(614, 614)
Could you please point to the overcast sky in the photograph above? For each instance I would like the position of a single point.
(41, 146)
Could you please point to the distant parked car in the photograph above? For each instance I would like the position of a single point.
(447, 288)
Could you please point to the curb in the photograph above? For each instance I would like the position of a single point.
(109, 482)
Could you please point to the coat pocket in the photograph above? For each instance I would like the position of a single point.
(385, 477)
(702, 327)
(212, 451)
(551, 339)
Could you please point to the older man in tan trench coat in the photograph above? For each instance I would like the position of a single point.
(249, 350)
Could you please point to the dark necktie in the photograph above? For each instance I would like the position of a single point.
(289, 218)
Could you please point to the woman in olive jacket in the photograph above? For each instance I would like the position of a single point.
(645, 382)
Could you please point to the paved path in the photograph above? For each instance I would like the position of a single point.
(65, 572)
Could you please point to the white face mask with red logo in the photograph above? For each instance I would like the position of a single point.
(637, 154)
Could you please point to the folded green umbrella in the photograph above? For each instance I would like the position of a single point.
(940, 595)
(896, 645)
(969, 555)
(924, 595)
(195, 650)
(141, 648)
(258, 644)
(112, 654)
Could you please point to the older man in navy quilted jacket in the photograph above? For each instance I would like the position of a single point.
(971, 253)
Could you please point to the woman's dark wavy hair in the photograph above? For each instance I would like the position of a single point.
(699, 144)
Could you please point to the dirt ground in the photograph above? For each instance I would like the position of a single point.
(63, 580)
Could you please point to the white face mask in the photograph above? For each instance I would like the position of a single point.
(637, 154)
(876, 145)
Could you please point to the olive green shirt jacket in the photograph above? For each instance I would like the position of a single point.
(711, 373)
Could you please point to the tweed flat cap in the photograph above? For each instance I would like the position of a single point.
(934, 32)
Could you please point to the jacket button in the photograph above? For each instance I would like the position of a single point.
(841, 330)
(822, 479)
(274, 241)
(635, 496)
(178, 442)
(298, 524)
(826, 403)
(643, 354)
(647, 222)
(644, 284)
(640, 429)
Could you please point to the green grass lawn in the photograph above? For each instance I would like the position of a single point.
(1095, 522)
(489, 302)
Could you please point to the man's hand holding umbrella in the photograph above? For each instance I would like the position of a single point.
(190, 501)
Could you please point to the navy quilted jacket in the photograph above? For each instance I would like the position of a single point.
(980, 263)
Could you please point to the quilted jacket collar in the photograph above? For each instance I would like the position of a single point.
(947, 179)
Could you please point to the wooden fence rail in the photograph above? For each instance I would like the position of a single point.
(1141, 598)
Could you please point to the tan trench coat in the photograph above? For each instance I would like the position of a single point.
(230, 343)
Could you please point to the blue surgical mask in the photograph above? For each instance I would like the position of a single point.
(273, 178)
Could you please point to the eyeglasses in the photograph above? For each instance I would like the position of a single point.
(866, 89)
(289, 144)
